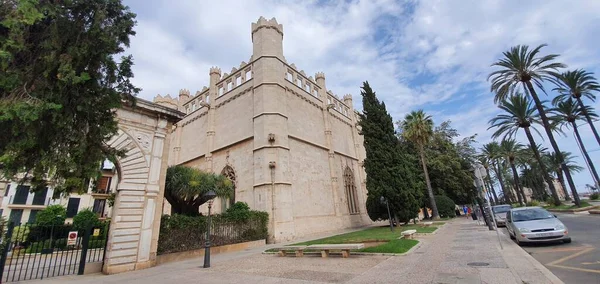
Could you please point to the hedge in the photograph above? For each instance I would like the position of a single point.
(445, 206)
(237, 225)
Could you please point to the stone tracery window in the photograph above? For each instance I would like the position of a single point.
(229, 173)
(351, 194)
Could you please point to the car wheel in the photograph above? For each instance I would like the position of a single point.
(511, 236)
(519, 243)
(567, 241)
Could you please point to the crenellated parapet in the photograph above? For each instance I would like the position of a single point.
(166, 101)
(215, 70)
(268, 24)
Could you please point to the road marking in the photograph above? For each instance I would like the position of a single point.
(590, 263)
(556, 262)
(560, 250)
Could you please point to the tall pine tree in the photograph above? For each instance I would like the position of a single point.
(390, 172)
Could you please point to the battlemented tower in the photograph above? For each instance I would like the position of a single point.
(290, 146)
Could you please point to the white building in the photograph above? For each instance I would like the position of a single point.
(20, 206)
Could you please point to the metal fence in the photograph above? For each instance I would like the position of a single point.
(37, 252)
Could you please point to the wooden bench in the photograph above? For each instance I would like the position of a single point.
(345, 248)
(299, 250)
(408, 234)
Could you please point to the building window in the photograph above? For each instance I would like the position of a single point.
(220, 91)
(289, 76)
(99, 205)
(248, 74)
(193, 106)
(72, 207)
(238, 80)
(229, 86)
(229, 173)
(104, 185)
(32, 216)
(299, 83)
(39, 198)
(351, 195)
(15, 216)
(21, 194)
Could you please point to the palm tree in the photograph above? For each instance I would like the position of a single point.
(567, 113)
(417, 127)
(575, 84)
(519, 113)
(492, 152)
(531, 167)
(555, 165)
(485, 161)
(510, 149)
(522, 67)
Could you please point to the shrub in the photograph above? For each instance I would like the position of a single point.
(51, 215)
(20, 234)
(85, 219)
(595, 196)
(445, 206)
(239, 211)
(533, 203)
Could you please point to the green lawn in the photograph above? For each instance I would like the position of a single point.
(393, 246)
(371, 234)
(568, 206)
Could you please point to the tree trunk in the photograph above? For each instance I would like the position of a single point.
(586, 155)
(548, 128)
(561, 179)
(518, 188)
(589, 119)
(434, 210)
(538, 157)
(501, 181)
(491, 185)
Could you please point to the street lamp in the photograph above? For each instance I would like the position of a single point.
(210, 195)
(383, 200)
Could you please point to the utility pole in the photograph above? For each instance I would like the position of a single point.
(480, 173)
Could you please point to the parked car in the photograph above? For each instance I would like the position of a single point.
(535, 224)
(500, 214)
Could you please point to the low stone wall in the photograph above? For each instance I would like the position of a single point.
(597, 212)
(183, 255)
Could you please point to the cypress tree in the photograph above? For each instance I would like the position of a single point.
(390, 172)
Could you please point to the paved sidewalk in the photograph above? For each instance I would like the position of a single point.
(445, 257)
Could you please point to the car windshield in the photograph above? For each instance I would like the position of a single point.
(501, 209)
(531, 214)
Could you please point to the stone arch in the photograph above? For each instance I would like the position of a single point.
(350, 191)
(135, 164)
(229, 173)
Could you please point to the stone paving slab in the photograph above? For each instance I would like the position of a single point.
(462, 252)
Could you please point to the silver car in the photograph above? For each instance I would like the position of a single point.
(500, 214)
(535, 224)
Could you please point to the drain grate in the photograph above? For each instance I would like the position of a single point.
(478, 264)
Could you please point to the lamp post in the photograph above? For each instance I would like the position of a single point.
(210, 195)
(384, 200)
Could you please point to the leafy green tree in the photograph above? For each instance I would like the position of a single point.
(510, 149)
(185, 188)
(519, 113)
(417, 127)
(521, 68)
(576, 84)
(554, 164)
(485, 162)
(53, 215)
(85, 219)
(567, 113)
(446, 206)
(390, 171)
(60, 86)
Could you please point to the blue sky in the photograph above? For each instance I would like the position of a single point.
(433, 55)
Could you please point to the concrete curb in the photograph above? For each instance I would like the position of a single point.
(572, 210)
(595, 212)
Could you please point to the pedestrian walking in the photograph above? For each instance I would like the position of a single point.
(465, 210)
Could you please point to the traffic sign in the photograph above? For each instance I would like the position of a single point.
(96, 232)
(72, 238)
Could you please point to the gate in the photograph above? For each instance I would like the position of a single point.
(37, 252)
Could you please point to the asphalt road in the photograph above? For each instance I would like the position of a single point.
(579, 261)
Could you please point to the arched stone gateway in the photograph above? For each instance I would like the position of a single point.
(144, 134)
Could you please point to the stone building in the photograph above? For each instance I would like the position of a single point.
(290, 145)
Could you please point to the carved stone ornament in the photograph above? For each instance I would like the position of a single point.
(143, 140)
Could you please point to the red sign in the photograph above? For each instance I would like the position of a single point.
(72, 238)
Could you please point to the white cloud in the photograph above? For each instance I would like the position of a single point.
(433, 55)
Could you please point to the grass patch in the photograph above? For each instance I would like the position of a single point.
(567, 206)
(371, 234)
(393, 246)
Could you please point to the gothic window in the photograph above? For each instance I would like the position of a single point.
(229, 173)
(350, 188)
(238, 80)
(248, 74)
